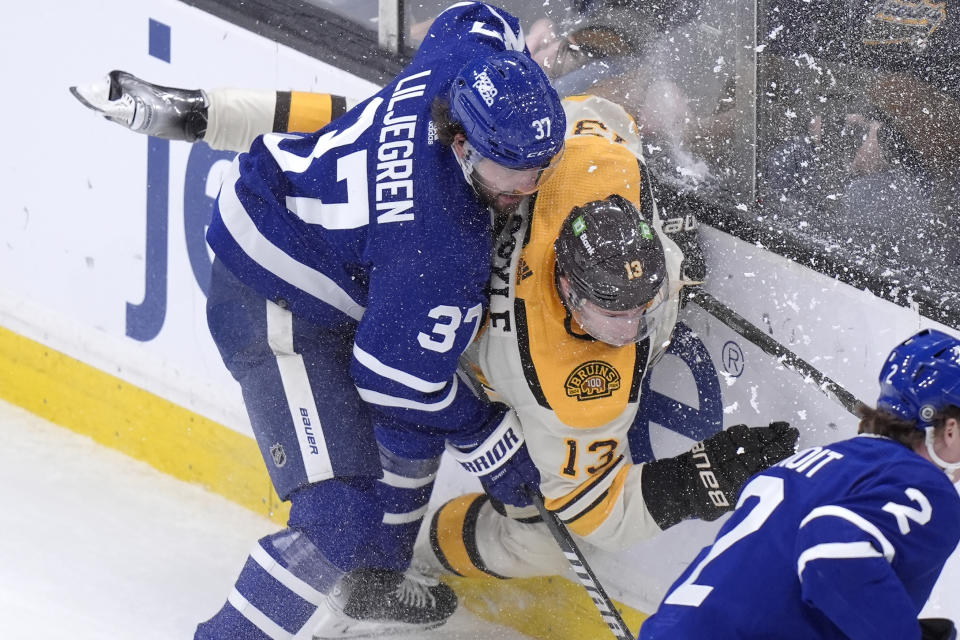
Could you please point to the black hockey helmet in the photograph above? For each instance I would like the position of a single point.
(611, 255)
(615, 264)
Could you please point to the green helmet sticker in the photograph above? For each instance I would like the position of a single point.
(645, 230)
(579, 226)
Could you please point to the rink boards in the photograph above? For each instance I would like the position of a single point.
(102, 327)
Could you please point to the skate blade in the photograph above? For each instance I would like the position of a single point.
(340, 628)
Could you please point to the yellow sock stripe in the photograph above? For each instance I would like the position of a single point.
(449, 535)
(309, 111)
(139, 423)
(587, 522)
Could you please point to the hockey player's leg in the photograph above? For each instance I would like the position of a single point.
(294, 577)
(317, 572)
(317, 439)
(474, 537)
(410, 462)
(224, 118)
(379, 601)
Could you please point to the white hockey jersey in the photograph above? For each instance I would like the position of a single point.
(576, 397)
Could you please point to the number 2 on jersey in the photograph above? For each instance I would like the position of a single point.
(770, 492)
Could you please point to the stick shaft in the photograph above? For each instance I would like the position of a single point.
(608, 610)
(788, 358)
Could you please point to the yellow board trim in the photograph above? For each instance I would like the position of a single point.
(551, 608)
(141, 424)
(190, 447)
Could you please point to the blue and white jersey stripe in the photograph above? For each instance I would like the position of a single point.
(369, 222)
(841, 541)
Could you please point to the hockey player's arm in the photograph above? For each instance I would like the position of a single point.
(227, 119)
(495, 452)
(617, 503)
(425, 307)
(869, 562)
(704, 482)
(683, 230)
(484, 437)
(845, 572)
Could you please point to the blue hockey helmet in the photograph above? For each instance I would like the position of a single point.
(509, 111)
(921, 377)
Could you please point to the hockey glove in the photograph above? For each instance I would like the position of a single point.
(938, 629)
(705, 482)
(498, 456)
(162, 112)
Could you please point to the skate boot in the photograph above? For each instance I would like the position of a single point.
(375, 602)
(162, 112)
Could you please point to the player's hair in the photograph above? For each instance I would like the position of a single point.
(882, 423)
(447, 128)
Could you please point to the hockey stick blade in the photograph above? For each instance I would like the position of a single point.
(608, 610)
(768, 345)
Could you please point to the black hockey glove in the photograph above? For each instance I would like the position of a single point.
(497, 455)
(937, 629)
(162, 112)
(705, 482)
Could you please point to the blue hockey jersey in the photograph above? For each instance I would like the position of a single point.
(370, 221)
(842, 541)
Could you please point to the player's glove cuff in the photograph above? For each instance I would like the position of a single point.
(493, 451)
(499, 457)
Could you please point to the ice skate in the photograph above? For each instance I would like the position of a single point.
(382, 603)
(162, 112)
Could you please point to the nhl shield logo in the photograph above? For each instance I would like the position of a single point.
(279, 455)
(592, 380)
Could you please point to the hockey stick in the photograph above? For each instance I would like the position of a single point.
(608, 610)
(768, 345)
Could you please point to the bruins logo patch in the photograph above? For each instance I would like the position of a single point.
(591, 380)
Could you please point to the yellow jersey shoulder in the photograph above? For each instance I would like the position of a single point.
(585, 382)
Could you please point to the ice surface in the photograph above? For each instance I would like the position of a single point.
(98, 546)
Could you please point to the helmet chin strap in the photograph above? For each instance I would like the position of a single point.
(948, 467)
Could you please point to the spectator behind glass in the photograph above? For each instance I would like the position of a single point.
(866, 97)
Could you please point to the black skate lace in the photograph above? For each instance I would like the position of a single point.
(414, 590)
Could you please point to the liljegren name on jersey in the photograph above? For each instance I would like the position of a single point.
(395, 156)
(506, 246)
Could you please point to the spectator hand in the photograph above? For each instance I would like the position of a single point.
(544, 44)
(557, 55)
